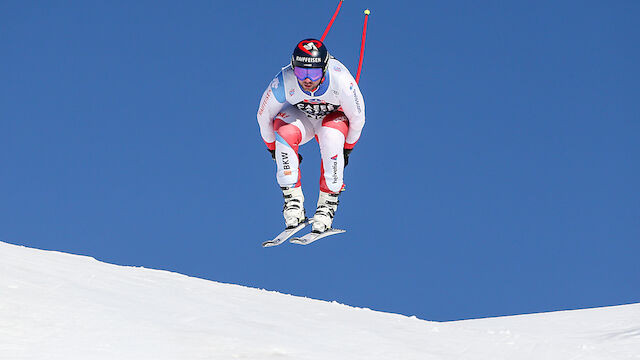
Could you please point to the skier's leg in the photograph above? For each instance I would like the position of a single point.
(331, 136)
(291, 131)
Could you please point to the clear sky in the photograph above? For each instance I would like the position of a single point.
(497, 173)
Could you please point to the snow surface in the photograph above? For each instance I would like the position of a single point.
(61, 306)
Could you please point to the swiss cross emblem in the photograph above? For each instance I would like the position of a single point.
(309, 46)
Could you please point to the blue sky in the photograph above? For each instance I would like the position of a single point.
(497, 173)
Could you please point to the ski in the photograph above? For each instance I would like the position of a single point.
(286, 234)
(313, 236)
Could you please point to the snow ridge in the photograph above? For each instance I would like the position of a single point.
(60, 306)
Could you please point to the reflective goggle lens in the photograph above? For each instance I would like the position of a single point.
(314, 74)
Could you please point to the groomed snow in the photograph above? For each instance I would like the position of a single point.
(61, 306)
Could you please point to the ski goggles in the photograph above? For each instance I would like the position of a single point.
(314, 74)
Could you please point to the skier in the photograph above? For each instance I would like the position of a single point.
(313, 96)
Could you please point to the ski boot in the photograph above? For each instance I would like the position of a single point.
(327, 206)
(293, 209)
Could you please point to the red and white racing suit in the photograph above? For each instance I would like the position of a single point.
(288, 117)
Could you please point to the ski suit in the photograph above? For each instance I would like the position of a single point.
(288, 117)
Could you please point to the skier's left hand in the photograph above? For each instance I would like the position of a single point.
(346, 153)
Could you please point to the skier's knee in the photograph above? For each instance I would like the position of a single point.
(291, 134)
(337, 121)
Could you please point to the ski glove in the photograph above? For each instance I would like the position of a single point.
(273, 156)
(346, 152)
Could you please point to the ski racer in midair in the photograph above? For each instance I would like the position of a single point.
(314, 96)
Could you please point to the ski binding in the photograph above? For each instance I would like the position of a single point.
(313, 236)
(286, 234)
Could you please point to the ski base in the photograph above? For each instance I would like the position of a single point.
(313, 236)
(286, 234)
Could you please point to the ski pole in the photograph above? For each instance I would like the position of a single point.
(364, 37)
(326, 31)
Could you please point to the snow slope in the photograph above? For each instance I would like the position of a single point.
(61, 306)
